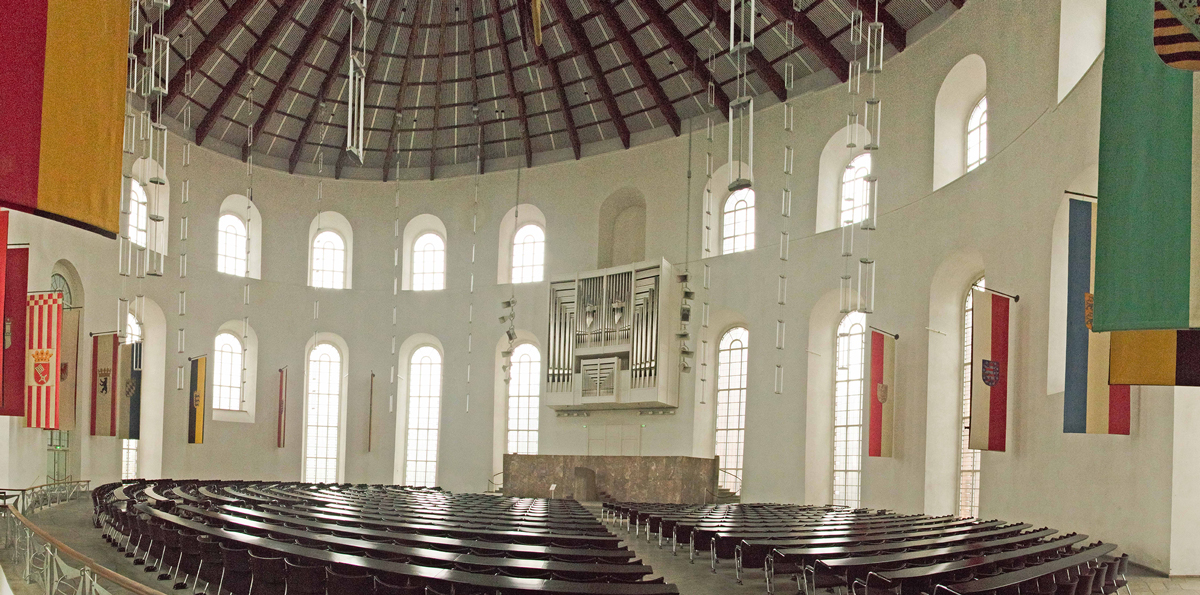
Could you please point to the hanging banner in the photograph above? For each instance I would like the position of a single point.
(129, 391)
(1090, 403)
(196, 402)
(881, 383)
(991, 372)
(1177, 33)
(105, 351)
(16, 282)
(281, 427)
(43, 333)
(68, 367)
(64, 80)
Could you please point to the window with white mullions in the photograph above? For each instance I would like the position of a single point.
(228, 372)
(847, 410)
(231, 245)
(855, 199)
(524, 390)
(328, 261)
(323, 414)
(424, 417)
(977, 135)
(732, 375)
(969, 460)
(737, 230)
(529, 254)
(429, 263)
(139, 214)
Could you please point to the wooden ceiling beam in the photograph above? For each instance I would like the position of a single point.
(684, 49)
(561, 92)
(634, 53)
(516, 95)
(390, 155)
(214, 39)
(318, 101)
(892, 31)
(389, 19)
(323, 22)
(811, 35)
(766, 71)
(583, 46)
(437, 97)
(260, 47)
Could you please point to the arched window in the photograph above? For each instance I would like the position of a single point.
(227, 376)
(969, 460)
(847, 411)
(732, 374)
(138, 213)
(977, 135)
(231, 245)
(329, 261)
(529, 254)
(323, 419)
(737, 233)
(429, 263)
(855, 199)
(524, 390)
(129, 448)
(424, 416)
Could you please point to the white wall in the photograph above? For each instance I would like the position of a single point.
(997, 219)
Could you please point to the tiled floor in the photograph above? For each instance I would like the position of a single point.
(71, 523)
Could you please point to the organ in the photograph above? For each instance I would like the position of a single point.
(610, 343)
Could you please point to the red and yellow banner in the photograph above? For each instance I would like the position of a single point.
(63, 85)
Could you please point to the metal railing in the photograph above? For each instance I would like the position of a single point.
(493, 485)
(31, 500)
(43, 560)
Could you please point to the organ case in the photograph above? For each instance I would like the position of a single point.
(610, 343)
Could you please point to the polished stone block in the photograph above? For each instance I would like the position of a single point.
(681, 480)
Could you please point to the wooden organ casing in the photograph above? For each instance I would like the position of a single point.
(611, 341)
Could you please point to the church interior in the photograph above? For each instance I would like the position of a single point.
(253, 343)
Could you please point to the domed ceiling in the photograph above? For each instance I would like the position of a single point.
(443, 76)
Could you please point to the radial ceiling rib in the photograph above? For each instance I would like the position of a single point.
(394, 137)
(639, 62)
(561, 93)
(322, 23)
(762, 66)
(513, 92)
(684, 49)
(895, 34)
(319, 101)
(260, 47)
(437, 97)
(583, 45)
(389, 20)
(214, 39)
(811, 35)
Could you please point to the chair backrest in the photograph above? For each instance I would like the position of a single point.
(305, 578)
(385, 588)
(1124, 566)
(1086, 580)
(337, 583)
(235, 559)
(267, 569)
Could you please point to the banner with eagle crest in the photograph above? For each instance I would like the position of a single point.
(43, 333)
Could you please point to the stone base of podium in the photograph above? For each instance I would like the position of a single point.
(679, 480)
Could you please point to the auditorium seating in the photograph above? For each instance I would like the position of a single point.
(876, 552)
(262, 538)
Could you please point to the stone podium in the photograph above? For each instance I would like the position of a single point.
(676, 480)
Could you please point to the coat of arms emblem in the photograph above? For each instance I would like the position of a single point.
(41, 366)
(991, 372)
(881, 392)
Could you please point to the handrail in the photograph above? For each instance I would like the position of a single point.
(45, 485)
(492, 484)
(34, 497)
(125, 583)
(733, 475)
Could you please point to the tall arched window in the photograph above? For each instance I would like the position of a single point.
(977, 135)
(429, 263)
(129, 448)
(138, 213)
(231, 245)
(529, 254)
(524, 390)
(424, 417)
(737, 222)
(969, 460)
(855, 201)
(329, 261)
(732, 373)
(323, 419)
(227, 376)
(847, 411)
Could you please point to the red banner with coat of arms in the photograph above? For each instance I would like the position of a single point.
(43, 334)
